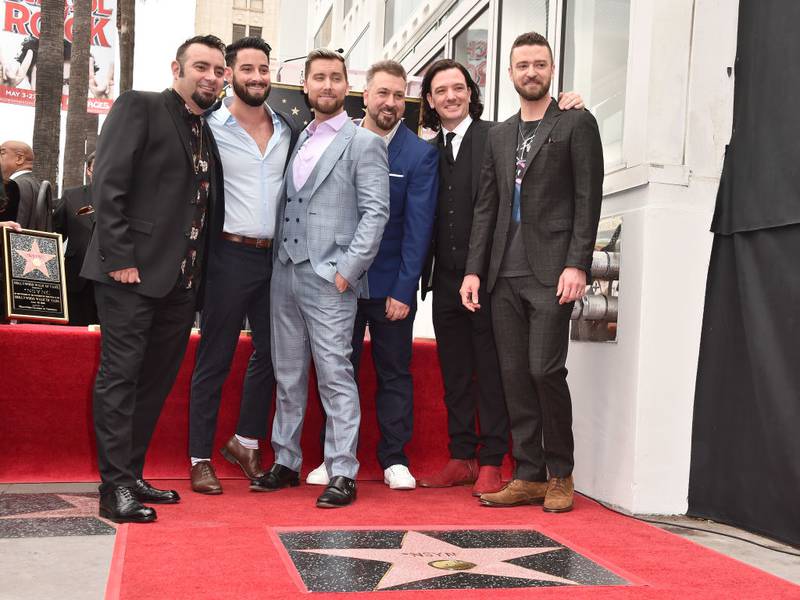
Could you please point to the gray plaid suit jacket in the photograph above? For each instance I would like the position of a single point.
(562, 190)
(348, 206)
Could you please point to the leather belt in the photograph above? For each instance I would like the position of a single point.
(247, 241)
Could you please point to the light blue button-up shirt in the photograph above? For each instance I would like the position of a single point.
(252, 180)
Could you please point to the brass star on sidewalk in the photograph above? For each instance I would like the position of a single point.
(422, 557)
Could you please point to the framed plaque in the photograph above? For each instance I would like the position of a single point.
(33, 272)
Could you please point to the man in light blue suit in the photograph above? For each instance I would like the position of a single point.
(393, 277)
(334, 206)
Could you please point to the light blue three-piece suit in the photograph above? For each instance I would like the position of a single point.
(334, 223)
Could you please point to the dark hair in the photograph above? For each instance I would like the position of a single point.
(90, 160)
(530, 39)
(430, 118)
(211, 41)
(326, 54)
(392, 67)
(256, 43)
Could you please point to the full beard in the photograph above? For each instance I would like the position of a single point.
(543, 91)
(384, 121)
(249, 98)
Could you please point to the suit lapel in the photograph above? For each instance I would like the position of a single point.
(509, 153)
(180, 125)
(396, 145)
(551, 116)
(332, 153)
(477, 148)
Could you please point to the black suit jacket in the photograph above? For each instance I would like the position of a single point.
(143, 188)
(77, 228)
(476, 136)
(23, 192)
(562, 190)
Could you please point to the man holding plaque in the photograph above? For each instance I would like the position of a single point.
(158, 199)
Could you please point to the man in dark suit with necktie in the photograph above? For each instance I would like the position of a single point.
(531, 244)
(74, 219)
(158, 197)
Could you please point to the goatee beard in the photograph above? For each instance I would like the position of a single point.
(246, 97)
(202, 101)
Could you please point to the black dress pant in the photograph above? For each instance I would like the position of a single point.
(391, 353)
(532, 333)
(142, 346)
(82, 306)
(466, 348)
(237, 285)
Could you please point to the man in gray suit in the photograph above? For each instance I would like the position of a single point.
(334, 206)
(533, 233)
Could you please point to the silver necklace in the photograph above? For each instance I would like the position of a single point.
(525, 144)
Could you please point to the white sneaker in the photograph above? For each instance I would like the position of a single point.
(397, 477)
(318, 476)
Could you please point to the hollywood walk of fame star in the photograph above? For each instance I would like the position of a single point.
(295, 111)
(422, 557)
(36, 260)
(80, 506)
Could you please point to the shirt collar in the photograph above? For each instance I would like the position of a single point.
(334, 123)
(13, 176)
(460, 129)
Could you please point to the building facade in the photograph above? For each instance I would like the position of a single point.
(658, 77)
(231, 20)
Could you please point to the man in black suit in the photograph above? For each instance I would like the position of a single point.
(22, 188)
(532, 238)
(74, 219)
(158, 198)
(465, 342)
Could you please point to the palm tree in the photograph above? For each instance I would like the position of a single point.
(126, 24)
(49, 84)
(77, 118)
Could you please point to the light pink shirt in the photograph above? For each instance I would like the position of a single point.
(320, 136)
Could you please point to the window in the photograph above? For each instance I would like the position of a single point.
(470, 47)
(239, 31)
(357, 57)
(347, 5)
(257, 5)
(396, 16)
(439, 56)
(516, 17)
(596, 64)
(240, 4)
(255, 31)
(323, 37)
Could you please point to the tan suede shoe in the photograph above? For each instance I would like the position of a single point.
(517, 493)
(559, 495)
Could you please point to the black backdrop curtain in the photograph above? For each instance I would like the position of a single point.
(745, 466)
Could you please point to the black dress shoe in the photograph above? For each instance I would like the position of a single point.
(276, 478)
(121, 506)
(341, 491)
(145, 492)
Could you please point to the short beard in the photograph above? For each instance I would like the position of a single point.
(202, 101)
(525, 94)
(381, 121)
(314, 105)
(246, 97)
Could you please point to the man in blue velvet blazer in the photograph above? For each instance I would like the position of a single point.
(393, 277)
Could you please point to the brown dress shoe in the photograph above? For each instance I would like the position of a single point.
(248, 460)
(559, 494)
(457, 471)
(517, 492)
(204, 480)
(489, 481)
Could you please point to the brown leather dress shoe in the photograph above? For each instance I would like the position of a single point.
(560, 491)
(489, 481)
(204, 480)
(457, 471)
(517, 492)
(248, 460)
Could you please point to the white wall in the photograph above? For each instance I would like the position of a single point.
(633, 400)
(161, 26)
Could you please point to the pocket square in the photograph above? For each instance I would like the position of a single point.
(396, 175)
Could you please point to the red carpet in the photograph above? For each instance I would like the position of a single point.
(47, 375)
(225, 547)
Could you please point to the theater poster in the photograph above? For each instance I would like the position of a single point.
(19, 49)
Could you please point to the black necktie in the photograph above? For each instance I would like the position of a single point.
(448, 148)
